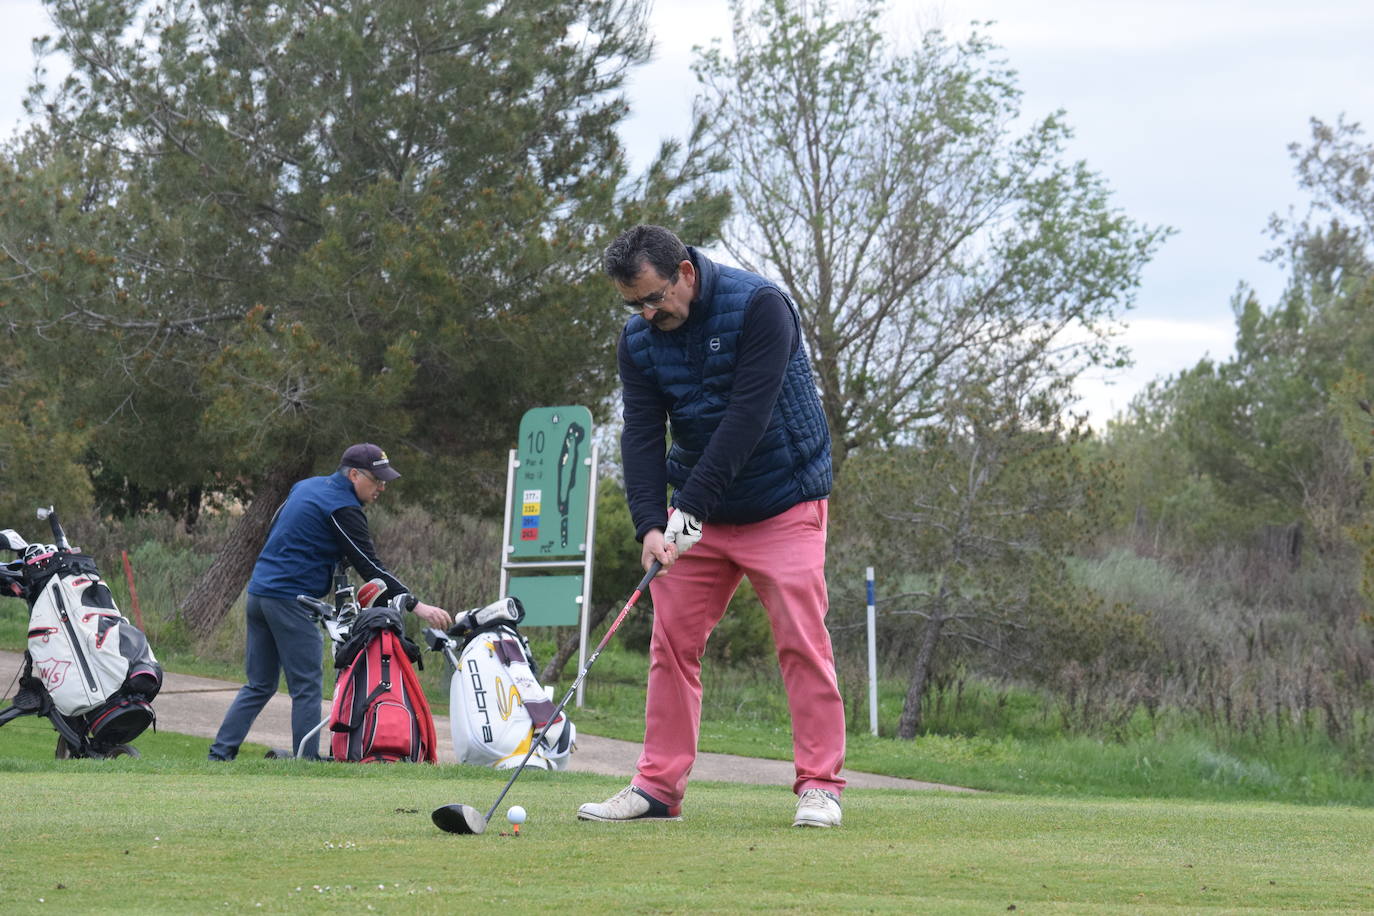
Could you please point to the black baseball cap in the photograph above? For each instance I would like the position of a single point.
(371, 458)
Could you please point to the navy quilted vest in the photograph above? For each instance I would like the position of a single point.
(301, 550)
(694, 367)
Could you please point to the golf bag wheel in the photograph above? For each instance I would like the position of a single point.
(64, 751)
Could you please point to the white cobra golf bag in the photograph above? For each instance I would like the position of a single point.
(87, 669)
(496, 704)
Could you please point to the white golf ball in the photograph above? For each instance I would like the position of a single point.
(516, 814)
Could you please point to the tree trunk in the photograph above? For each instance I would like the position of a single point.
(194, 497)
(910, 722)
(213, 594)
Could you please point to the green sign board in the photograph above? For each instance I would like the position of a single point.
(550, 601)
(550, 495)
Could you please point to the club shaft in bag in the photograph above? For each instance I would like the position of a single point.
(610, 631)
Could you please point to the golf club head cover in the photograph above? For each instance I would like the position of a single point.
(503, 610)
(370, 591)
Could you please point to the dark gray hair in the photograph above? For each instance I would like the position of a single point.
(644, 244)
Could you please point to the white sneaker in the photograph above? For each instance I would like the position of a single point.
(629, 804)
(817, 808)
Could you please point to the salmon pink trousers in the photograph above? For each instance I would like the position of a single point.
(784, 558)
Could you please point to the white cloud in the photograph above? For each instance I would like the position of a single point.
(1149, 26)
(1161, 347)
(1213, 334)
(24, 20)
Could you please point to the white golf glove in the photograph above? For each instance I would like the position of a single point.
(684, 530)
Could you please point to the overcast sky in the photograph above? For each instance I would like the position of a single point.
(1185, 107)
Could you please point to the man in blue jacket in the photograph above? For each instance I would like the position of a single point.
(716, 353)
(320, 524)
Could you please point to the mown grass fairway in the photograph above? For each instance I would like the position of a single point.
(167, 835)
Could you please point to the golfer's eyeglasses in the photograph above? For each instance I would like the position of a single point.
(653, 301)
(370, 476)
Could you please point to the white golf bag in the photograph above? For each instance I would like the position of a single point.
(496, 704)
(83, 649)
(87, 669)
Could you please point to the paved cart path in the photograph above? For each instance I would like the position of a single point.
(194, 706)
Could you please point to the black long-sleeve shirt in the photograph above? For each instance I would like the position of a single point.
(351, 533)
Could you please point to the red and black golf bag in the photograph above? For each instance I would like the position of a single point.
(380, 713)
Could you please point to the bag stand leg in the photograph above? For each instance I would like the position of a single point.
(76, 744)
(300, 749)
(33, 700)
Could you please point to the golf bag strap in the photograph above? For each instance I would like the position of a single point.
(429, 741)
(541, 711)
(382, 687)
(510, 652)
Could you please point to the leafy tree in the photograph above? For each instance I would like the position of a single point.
(922, 238)
(1337, 169)
(31, 425)
(981, 514)
(1351, 404)
(1262, 425)
(257, 231)
(1331, 250)
(1166, 500)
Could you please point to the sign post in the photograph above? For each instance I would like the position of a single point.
(551, 519)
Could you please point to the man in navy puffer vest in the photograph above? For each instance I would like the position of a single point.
(320, 524)
(714, 354)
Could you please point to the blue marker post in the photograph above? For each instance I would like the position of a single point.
(872, 656)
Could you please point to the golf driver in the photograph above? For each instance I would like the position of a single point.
(466, 819)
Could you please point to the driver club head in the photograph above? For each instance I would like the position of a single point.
(458, 819)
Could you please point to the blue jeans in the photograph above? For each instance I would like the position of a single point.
(281, 637)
